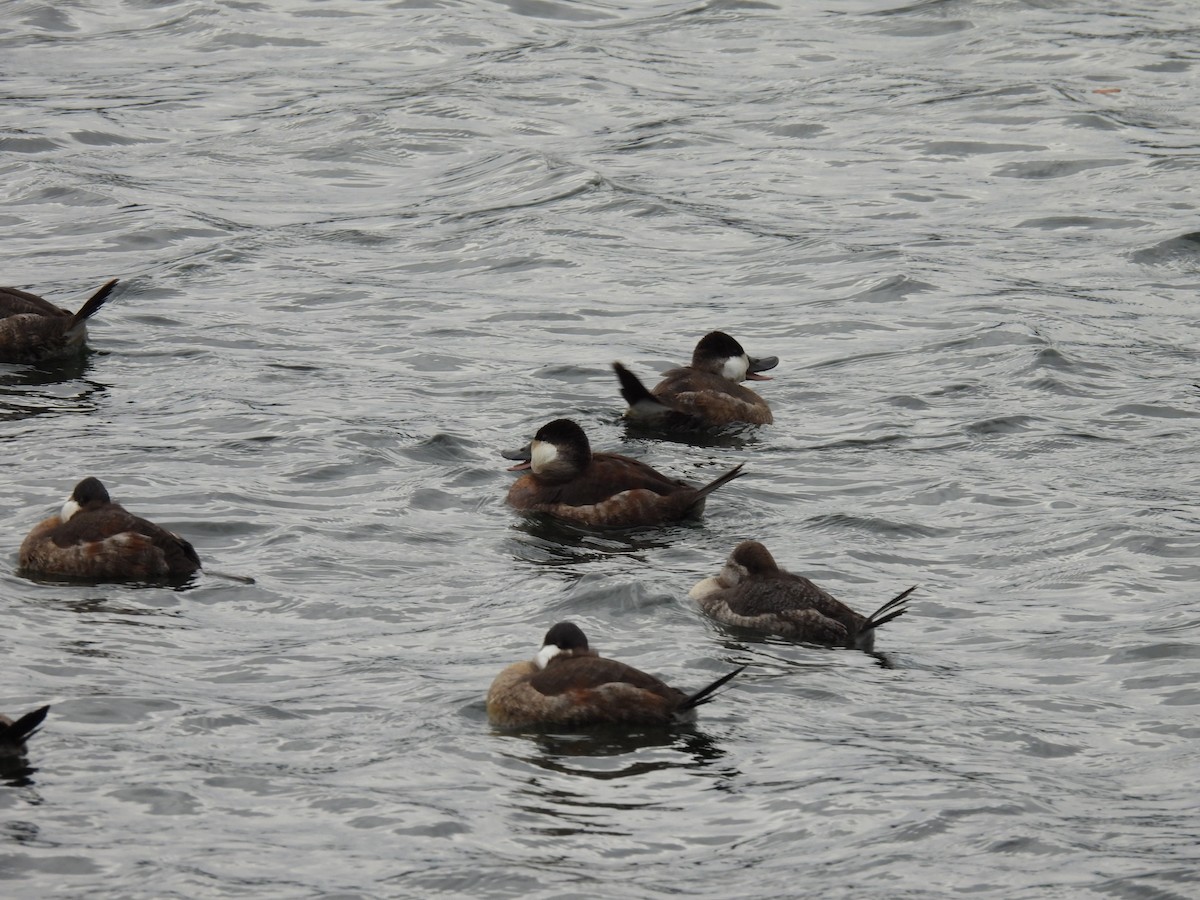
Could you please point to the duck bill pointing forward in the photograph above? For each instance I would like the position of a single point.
(760, 364)
(524, 458)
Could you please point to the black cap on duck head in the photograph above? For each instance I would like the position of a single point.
(566, 636)
(564, 433)
(90, 492)
(754, 558)
(715, 345)
(560, 440)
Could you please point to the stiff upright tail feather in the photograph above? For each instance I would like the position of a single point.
(23, 727)
(637, 395)
(706, 694)
(893, 609)
(733, 473)
(94, 303)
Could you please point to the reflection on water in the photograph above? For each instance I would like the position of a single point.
(49, 389)
(552, 542)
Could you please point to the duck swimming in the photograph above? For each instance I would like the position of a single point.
(33, 329)
(94, 538)
(566, 480)
(13, 734)
(568, 684)
(751, 591)
(705, 394)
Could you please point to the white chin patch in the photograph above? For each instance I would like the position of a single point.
(736, 367)
(546, 654)
(541, 454)
(69, 509)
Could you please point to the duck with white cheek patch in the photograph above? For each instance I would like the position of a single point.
(708, 393)
(563, 478)
(96, 539)
(568, 684)
(752, 592)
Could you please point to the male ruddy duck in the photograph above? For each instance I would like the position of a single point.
(97, 539)
(568, 684)
(33, 329)
(705, 394)
(570, 482)
(751, 591)
(13, 734)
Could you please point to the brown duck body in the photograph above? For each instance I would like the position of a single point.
(568, 481)
(33, 329)
(752, 592)
(570, 685)
(580, 690)
(706, 393)
(101, 541)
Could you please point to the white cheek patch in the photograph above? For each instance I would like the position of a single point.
(69, 509)
(546, 654)
(702, 589)
(541, 455)
(736, 367)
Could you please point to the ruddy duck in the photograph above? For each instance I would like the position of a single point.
(13, 734)
(751, 591)
(33, 329)
(570, 482)
(96, 539)
(568, 684)
(704, 394)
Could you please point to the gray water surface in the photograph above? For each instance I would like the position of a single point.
(366, 246)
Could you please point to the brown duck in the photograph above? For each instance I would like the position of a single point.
(569, 684)
(752, 592)
(33, 329)
(706, 393)
(566, 480)
(95, 538)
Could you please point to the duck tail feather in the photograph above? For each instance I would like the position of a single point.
(94, 303)
(705, 694)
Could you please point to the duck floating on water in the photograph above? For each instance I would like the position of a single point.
(565, 479)
(706, 393)
(96, 539)
(568, 684)
(751, 591)
(33, 329)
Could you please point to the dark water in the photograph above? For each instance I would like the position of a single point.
(365, 246)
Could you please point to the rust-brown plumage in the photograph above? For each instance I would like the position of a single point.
(33, 329)
(751, 591)
(101, 541)
(570, 482)
(568, 684)
(702, 395)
